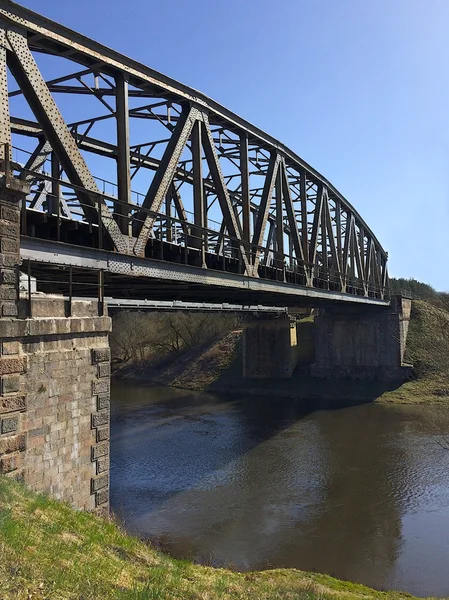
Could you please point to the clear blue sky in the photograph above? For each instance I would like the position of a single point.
(358, 88)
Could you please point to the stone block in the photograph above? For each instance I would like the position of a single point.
(9, 384)
(102, 386)
(102, 465)
(99, 451)
(9, 309)
(9, 230)
(10, 424)
(10, 261)
(101, 355)
(103, 401)
(12, 404)
(16, 443)
(102, 434)
(102, 497)
(8, 292)
(97, 483)
(9, 348)
(8, 464)
(9, 246)
(104, 369)
(8, 276)
(100, 419)
(12, 365)
(9, 213)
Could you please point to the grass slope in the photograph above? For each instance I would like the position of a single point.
(428, 351)
(50, 551)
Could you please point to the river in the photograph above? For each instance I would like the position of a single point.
(361, 493)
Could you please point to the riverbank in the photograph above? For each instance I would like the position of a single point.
(217, 367)
(50, 551)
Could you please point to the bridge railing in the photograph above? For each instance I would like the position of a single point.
(49, 215)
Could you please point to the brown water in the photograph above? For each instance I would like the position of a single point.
(361, 493)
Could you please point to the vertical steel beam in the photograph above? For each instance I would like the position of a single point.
(5, 129)
(168, 223)
(121, 212)
(198, 192)
(53, 198)
(246, 204)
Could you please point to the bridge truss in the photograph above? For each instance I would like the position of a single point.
(184, 180)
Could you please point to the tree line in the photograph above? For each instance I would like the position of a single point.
(137, 336)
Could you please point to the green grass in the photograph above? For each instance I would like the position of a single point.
(50, 551)
(428, 350)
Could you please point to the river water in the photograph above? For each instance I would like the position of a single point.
(361, 493)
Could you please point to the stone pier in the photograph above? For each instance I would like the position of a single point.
(362, 345)
(54, 381)
(269, 346)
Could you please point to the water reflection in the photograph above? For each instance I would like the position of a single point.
(360, 493)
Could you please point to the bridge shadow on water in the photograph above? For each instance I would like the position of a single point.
(182, 461)
(165, 440)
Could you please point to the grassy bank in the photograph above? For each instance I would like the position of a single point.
(428, 350)
(217, 367)
(48, 550)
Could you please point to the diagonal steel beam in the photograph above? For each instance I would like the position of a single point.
(143, 224)
(347, 244)
(222, 192)
(331, 238)
(37, 160)
(35, 90)
(358, 260)
(294, 232)
(316, 225)
(264, 207)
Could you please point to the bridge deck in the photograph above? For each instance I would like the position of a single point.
(144, 278)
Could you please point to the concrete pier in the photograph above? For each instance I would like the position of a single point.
(362, 345)
(269, 346)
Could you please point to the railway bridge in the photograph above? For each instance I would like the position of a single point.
(117, 180)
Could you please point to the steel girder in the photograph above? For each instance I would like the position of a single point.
(242, 201)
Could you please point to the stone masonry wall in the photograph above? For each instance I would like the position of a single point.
(54, 378)
(54, 403)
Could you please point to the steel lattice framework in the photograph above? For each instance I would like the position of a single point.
(214, 191)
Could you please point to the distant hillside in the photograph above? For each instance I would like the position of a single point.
(418, 290)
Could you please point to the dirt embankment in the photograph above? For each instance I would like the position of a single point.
(217, 367)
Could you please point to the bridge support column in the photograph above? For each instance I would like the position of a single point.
(54, 381)
(368, 345)
(269, 346)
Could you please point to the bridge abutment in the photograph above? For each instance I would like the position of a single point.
(269, 346)
(54, 381)
(362, 345)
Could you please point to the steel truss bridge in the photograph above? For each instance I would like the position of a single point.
(194, 202)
